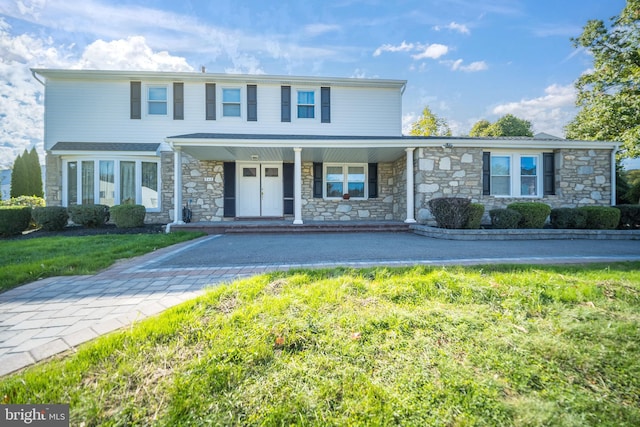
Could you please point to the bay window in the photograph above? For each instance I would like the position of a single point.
(112, 182)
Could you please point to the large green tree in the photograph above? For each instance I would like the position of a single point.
(609, 93)
(26, 176)
(429, 124)
(507, 125)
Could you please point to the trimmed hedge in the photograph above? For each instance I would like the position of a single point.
(568, 218)
(601, 217)
(128, 216)
(533, 214)
(450, 212)
(14, 219)
(50, 218)
(89, 215)
(476, 211)
(629, 217)
(505, 218)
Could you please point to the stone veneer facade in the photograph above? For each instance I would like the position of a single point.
(583, 177)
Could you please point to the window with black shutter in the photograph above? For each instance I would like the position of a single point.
(373, 180)
(252, 103)
(325, 104)
(210, 101)
(285, 103)
(317, 180)
(178, 101)
(136, 100)
(486, 173)
(549, 173)
(229, 172)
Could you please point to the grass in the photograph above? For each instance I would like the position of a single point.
(23, 261)
(455, 346)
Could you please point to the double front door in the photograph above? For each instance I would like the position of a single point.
(259, 190)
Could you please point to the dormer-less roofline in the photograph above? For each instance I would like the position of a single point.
(50, 73)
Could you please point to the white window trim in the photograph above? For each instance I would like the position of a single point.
(169, 96)
(316, 92)
(242, 103)
(96, 177)
(345, 182)
(515, 174)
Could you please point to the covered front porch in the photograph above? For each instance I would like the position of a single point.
(291, 178)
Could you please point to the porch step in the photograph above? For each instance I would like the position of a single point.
(287, 227)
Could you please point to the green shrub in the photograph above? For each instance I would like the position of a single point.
(601, 217)
(476, 210)
(89, 215)
(14, 219)
(568, 218)
(450, 212)
(504, 218)
(50, 218)
(31, 201)
(533, 214)
(629, 217)
(128, 216)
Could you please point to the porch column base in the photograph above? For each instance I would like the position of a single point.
(410, 221)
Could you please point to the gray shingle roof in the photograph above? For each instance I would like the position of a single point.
(104, 146)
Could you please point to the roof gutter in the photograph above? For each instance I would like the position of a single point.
(35, 76)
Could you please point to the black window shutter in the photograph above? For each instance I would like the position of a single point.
(317, 180)
(136, 97)
(285, 103)
(373, 180)
(549, 173)
(252, 103)
(486, 173)
(287, 188)
(229, 171)
(325, 105)
(178, 101)
(210, 103)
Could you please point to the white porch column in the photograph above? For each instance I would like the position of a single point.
(297, 186)
(177, 186)
(410, 195)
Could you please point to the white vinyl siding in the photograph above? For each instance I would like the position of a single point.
(354, 111)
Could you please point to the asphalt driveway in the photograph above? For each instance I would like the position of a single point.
(354, 249)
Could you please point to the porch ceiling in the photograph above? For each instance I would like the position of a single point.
(286, 154)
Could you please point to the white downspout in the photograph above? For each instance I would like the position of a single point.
(410, 191)
(613, 175)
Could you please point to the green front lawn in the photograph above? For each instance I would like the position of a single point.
(497, 345)
(23, 261)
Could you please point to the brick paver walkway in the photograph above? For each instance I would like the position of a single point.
(50, 316)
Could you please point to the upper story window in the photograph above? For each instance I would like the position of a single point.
(157, 100)
(516, 175)
(231, 102)
(306, 104)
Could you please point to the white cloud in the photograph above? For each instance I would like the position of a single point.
(549, 113)
(320, 29)
(454, 26)
(433, 51)
(131, 54)
(458, 65)
(402, 47)
(21, 96)
(407, 121)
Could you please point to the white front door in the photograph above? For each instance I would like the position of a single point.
(259, 189)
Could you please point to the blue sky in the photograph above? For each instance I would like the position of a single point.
(465, 59)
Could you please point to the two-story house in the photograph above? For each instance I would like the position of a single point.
(304, 148)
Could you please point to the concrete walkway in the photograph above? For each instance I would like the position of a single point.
(54, 315)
